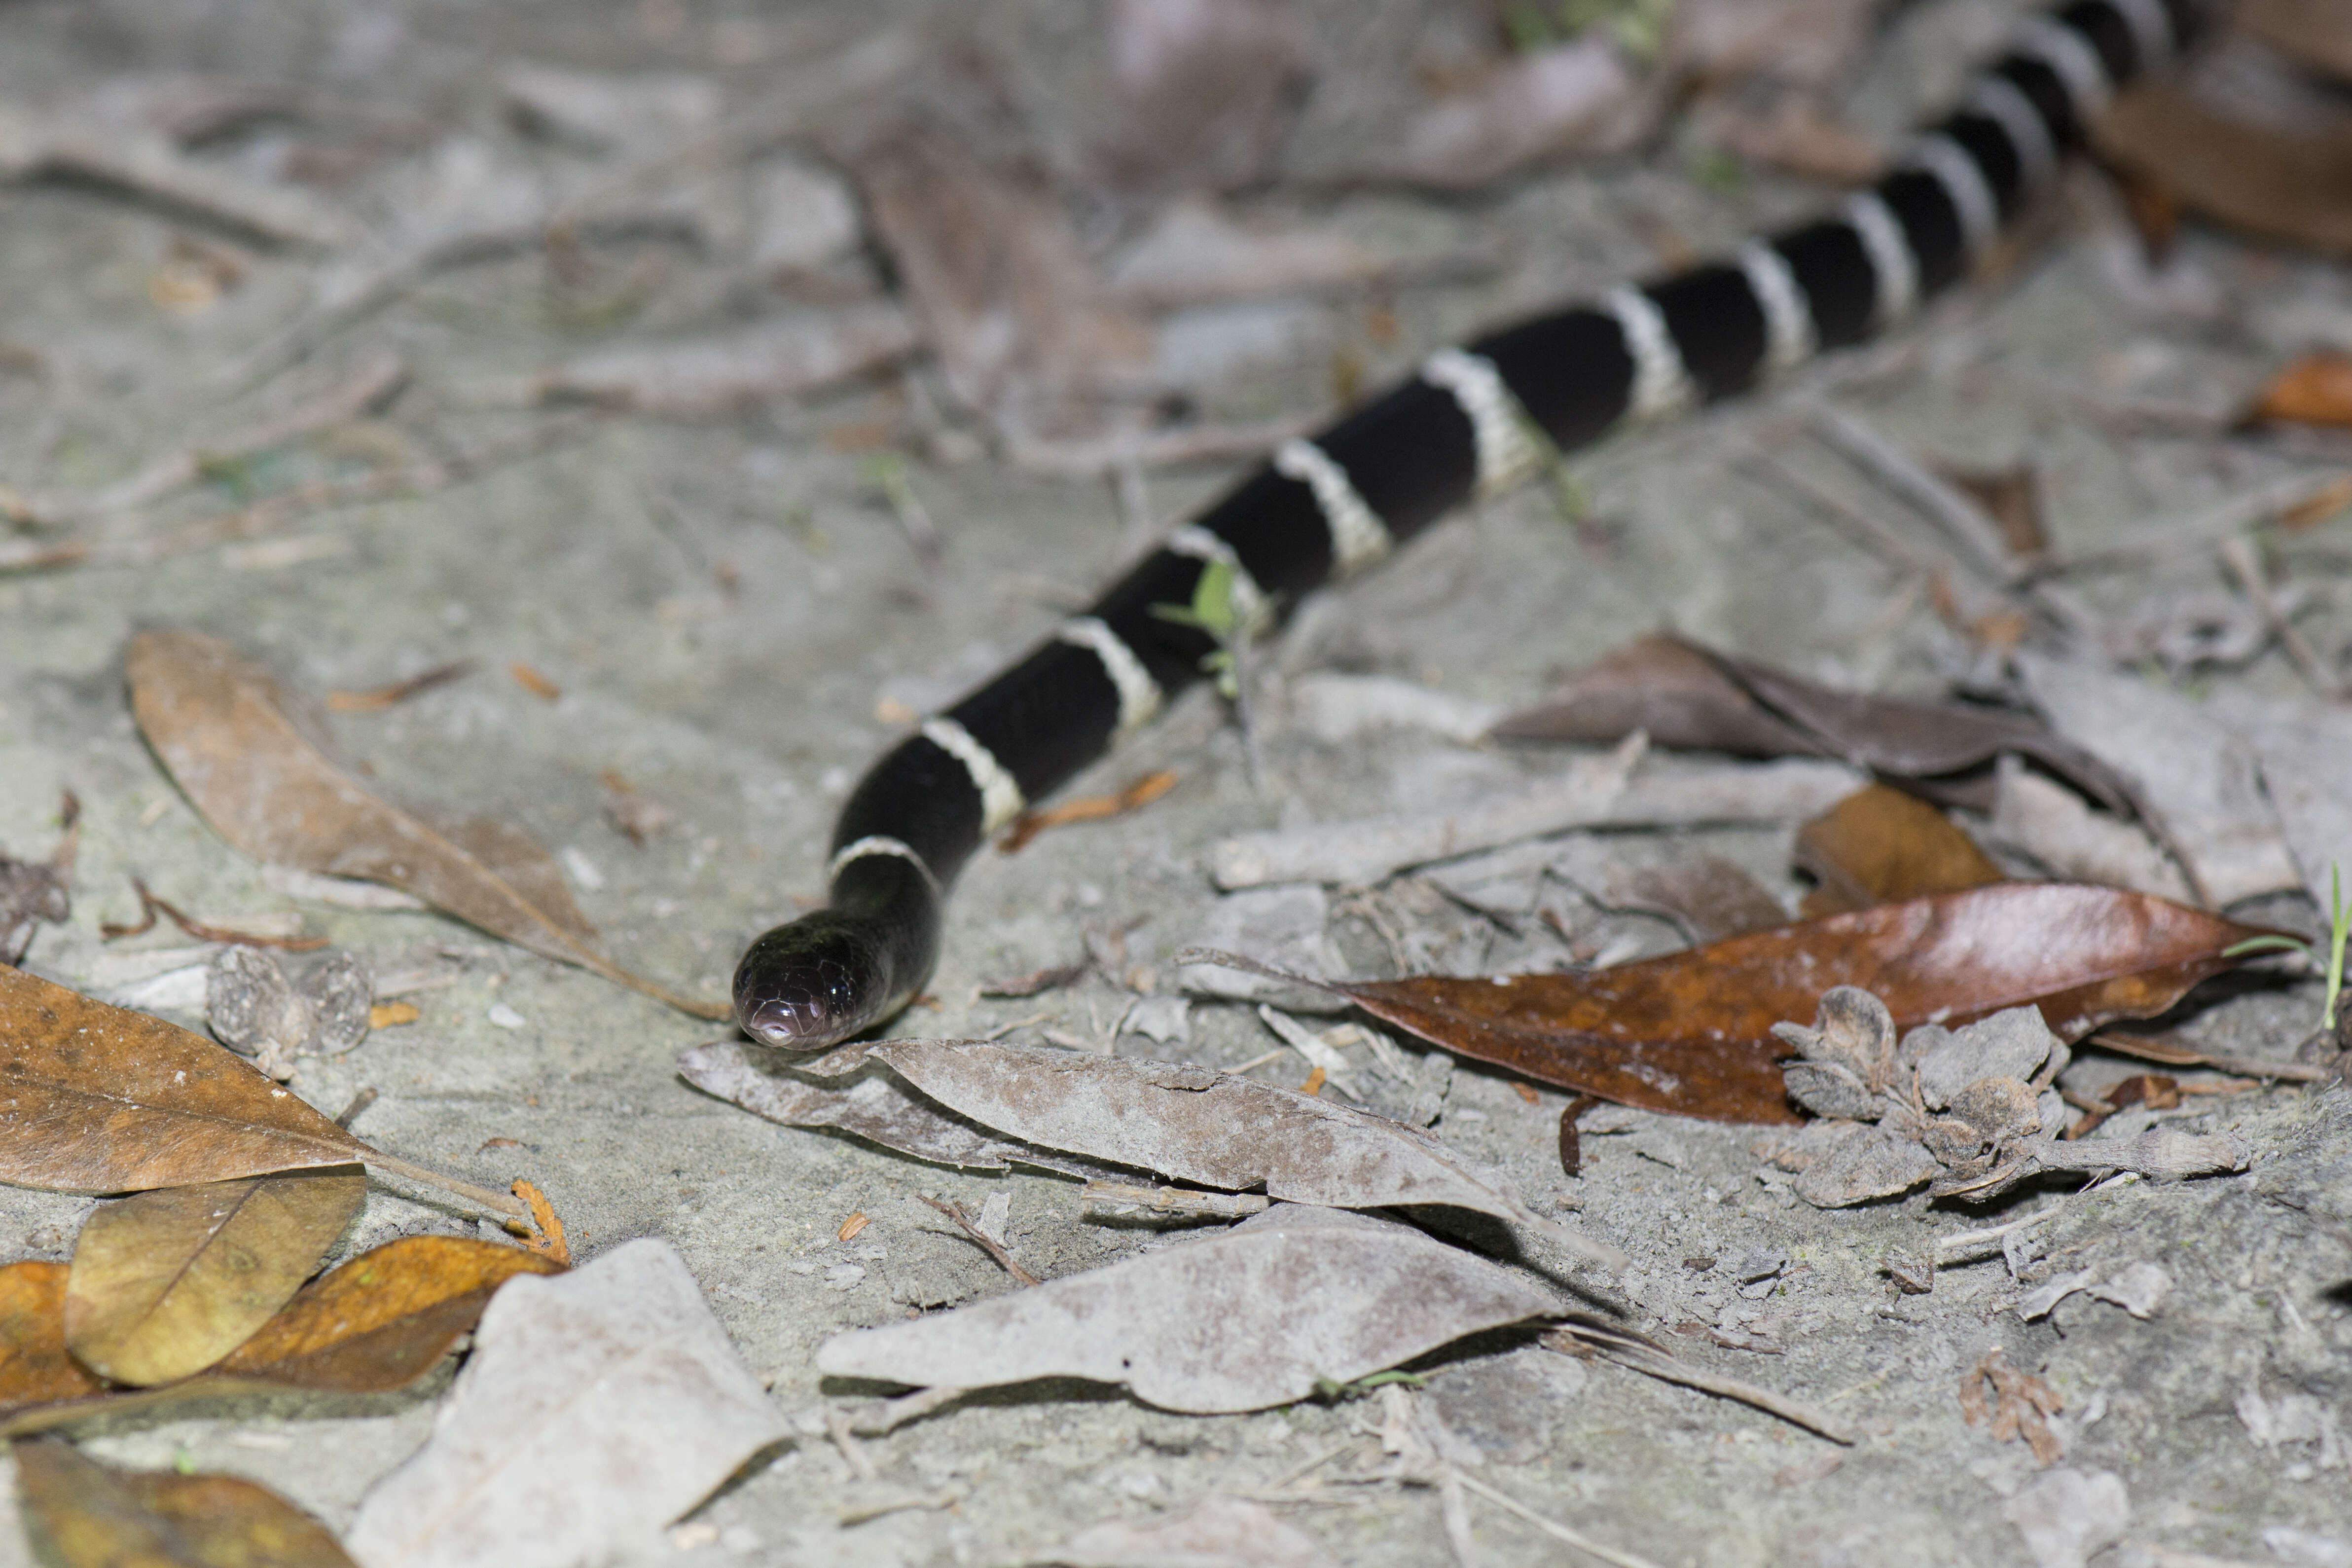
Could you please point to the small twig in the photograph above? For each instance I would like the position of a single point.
(994, 1249)
(1550, 1526)
(1857, 524)
(2170, 1055)
(1177, 1200)
(1969, 524)
(149, 906)
(2154, 542)
(861, 1463)
(2237, 554)
(1642, 1357)
(360, 1102)
(1142, 793)
(380, 697)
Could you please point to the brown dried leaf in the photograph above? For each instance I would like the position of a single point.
(2012, 496)
(1257, 1317)
(1880, 845)
(382, 1320)
(2315, 390)
(1003, 285)
(34, 1366)
(1200, 1125)
(166, 1283)
(82, 1514)
(1686, 696)
(2274, 184)
(234, 744)
(2316, 32)
(96, 1099)
(1691, 1033)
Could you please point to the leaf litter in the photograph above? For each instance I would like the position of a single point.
(33, 891)
(82, 1514)
(597, 1406)
(166, 1283)
(234, 743)
(1880, 846)
(1287, 1302)
(96, 1099)
(1691, 1033)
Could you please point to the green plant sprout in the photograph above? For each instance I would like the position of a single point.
(1214, 611)
(1211, 611)
(1332, 1391)
(2339, 927)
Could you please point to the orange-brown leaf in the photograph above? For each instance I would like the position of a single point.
(82, 1514)
(2315, 390)
(1690, 1033)
(2278, 185)
(1880, 846)
(34, 1368)
(381, 1321)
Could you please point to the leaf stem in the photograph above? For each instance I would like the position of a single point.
(482, 1197)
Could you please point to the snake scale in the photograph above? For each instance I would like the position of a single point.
(1473, 421)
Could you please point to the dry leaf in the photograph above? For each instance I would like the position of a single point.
(1006, 293)
(1708, 896)
(1685, 696)
(2012, 497)
(2074, 840)
(1880, 845)
(1258, 1316)
(1205, 92)
(1576, 97)
(166, 1283)
(1197, 1125)
(2278, 185)
(2316, 32)
(597, 1406)
(96, 1099)
(1691, 1033)
(2315, 390)
(871, 1105)
(34, 1366)
(227, 733)
(82, 1514)
(2199, 788)
(100, 1099)
(372, 1325)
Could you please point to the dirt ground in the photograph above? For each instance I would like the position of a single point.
(723, 607)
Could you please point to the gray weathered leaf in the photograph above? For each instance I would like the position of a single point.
(1254, 1318)
(241, 749)
(1213, 1532)
(1200, 1125)
(870, 1105)
(597, 1407)
(2200, 787)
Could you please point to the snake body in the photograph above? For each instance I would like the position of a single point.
(1473, 421)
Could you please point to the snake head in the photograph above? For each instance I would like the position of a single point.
(816, 982)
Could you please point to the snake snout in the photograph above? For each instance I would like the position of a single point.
(810, 985)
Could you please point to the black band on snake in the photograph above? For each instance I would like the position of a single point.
(1474, 421)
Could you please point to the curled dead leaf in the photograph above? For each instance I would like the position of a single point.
(96, 1099)
(1880, 845)
(1691, 1033)
(34, 1366)
(234, 743)
(166, 1283)
(82, 1514)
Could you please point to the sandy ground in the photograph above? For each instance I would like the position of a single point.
(723, 607)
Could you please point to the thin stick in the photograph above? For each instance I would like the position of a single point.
(487, 1201)
(1650, 1363)
(149, 906)
(2157, 540)
(1177, 1200)
(994, 1249)
(1865, 529)
(1969, 524)
(1550, 1526)
(2237, 554)
(360, 1102)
